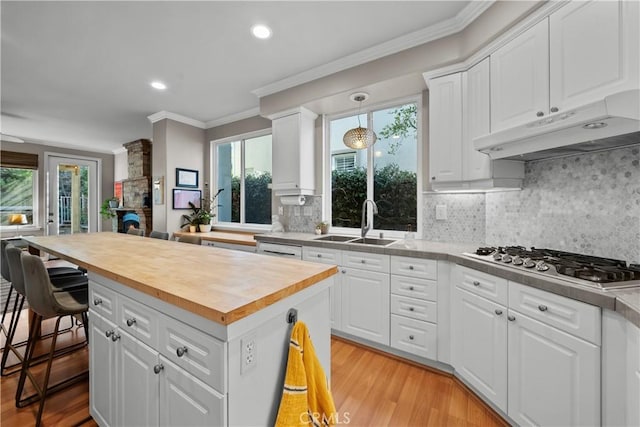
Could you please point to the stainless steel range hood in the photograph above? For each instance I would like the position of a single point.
(612, 122)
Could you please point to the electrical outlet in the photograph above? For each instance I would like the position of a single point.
(248, 353)
(280, 210)
(296, 211)
(307, 211)
(441, 212)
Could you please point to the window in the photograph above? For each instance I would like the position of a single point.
(386, 172)
(18, 194)
(243, 171)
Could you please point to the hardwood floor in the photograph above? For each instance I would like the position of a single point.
(369, 389)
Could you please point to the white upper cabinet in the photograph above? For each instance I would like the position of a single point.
(520, 79)
(476, 117)
(593, 50)
(293, 148)
(578, 55)
(445, 128)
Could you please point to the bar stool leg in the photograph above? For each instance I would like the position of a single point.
(45, 386)
(8, 345)
(28, 353)
(6, 307)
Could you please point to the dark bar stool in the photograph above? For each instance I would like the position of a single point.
(136, 231)
(60, 284)
(193, 239)
(46, 304)
(159, 235)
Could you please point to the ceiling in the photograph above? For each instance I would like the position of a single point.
(77, 74)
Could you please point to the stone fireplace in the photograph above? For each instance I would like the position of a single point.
(136, 190)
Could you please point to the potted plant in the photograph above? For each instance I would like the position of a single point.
(322, 227)
(200, 217)
(193, 220)
(106, 210)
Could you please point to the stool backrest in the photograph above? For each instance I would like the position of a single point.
(136, 231)
(195, 240)
(159, 235)
(15, 267)
(39, 291)
(6, 274)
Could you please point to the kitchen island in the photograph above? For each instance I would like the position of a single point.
(188, 335)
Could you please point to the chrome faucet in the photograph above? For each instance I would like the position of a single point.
(365, 218)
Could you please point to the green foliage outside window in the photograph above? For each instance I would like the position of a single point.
(257, 209)
(16, 193)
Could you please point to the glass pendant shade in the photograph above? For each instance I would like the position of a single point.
(359, 138)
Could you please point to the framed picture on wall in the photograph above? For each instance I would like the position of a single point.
(182, 197)
(158, 190)
(186, 178)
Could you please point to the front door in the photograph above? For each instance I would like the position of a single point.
(72, 196)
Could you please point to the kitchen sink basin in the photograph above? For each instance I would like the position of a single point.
(373, 241)
(335, 238)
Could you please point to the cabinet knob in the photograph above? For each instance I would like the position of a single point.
(542, 307)
(498, 311)
(476, 283)
(554, 109)
(411, 337)
(511, 318)
(433, 178)
(410, 288)
(344, 271)
(363, 261)
(180, 351)
(319, 255)
(411, 267)
(131, 322)
(539, 114)
(97, 301)
(411, 309)
(158, 368)
(115, 337)
(108, 333)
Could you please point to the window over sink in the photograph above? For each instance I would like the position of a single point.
(387, 172)
(242, 168)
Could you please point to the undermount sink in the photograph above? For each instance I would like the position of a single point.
(373, 241)
(335, 238)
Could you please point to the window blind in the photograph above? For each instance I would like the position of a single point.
(13, 159)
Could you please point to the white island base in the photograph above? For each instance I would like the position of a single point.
(152, 363)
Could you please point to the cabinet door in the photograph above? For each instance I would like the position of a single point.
(335, 298)
(286, 159)
(594, 51)
(102, 371)
(479, 344)
(445, 128)
(187, 401)
(520, 79)
(476, 121)
(136, 378)
(554, 377)
(365, 304)
(633, 375)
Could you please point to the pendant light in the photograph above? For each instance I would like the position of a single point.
(359, 138)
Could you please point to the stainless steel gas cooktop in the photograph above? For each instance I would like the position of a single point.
(600, 273)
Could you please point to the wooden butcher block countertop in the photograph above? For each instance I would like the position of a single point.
(245, 239)
(218, 284)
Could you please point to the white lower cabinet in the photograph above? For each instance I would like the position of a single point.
(537, 369)
(365, 304)
(329, 256)
(102, 368)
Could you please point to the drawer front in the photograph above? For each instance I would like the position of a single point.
(414, 288)
(194, 351)
(102, 300)
(574, 317)
(415, 308)
(366, 261)
(322, 255)
(414, 267)
(414, 336)
(485, 285)
(138, 320)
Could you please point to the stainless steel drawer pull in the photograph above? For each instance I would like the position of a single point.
(319, 255)
(511, 318)
(131, 322)
(498, 311)
(108, 333)
(411, 267)
(344, 271)
(363, 261)
(539, 114)
(411, 337)
(115, 337)
(97, 301)
(542, 307)
(476, 283)
(554, 109)
(410, 308)
(180, 351)
(410, 288)
(158, 368)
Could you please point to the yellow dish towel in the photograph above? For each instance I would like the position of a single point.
(306, 399)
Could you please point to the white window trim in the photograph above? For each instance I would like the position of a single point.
(231, 226)
(326, 149)
(35, 226)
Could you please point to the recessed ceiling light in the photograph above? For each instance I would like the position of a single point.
(158, 85)
(261, 31)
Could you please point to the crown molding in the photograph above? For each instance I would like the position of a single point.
(119, 150)
(416, 38)
(161, 115)
(233, 117)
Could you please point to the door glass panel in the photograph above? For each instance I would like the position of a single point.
(257, 177)
(73, 196)
(395, 163)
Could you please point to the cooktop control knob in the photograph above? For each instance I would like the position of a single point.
(497, 256)
(506, 258)
(528, 263)
(542, 266)
(517, 260)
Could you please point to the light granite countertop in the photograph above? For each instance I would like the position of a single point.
(626, 302)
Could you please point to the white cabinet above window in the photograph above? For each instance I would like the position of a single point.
(293, 149)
